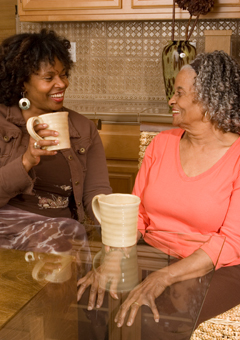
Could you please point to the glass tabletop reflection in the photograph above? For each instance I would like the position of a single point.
(179, 305)
(39, 289)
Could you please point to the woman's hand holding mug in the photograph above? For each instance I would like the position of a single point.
(48, 132)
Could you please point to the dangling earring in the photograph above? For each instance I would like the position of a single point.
(24, 103)
(205, 114)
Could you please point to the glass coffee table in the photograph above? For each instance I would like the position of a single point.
(39, 309)
(179, 305)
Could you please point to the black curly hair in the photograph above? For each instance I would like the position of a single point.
(217, 87)
(21, 56)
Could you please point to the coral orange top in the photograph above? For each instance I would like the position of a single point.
(207, 204)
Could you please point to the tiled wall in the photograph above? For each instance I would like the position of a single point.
(121, 60)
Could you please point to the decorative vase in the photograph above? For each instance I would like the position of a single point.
(175, 54)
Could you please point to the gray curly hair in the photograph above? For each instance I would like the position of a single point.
(217, 87)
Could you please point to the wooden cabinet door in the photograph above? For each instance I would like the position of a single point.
(98, 10)
(151, 3)
(221, 9)
(227, 3)
(163, 3)
(121, 145)
(38, 5)
(7, 18)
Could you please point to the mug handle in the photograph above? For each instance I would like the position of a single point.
(96, 207)
(30, 127)
(37, 268)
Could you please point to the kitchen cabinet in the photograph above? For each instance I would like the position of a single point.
(121, 145)
(162, 3)
(93, 10)
(124, 146)
(7, 18)
(51, 5)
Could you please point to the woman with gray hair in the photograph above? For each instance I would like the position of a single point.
(197, 168)
(217, 88)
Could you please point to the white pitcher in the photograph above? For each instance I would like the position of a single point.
(118, 215)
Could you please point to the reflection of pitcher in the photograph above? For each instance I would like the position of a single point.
(117, 214)
(126, 278)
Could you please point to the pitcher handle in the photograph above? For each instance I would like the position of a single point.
(96, 207)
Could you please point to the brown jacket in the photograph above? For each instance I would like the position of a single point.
(86, 159)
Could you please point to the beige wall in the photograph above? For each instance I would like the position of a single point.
(122, 60)
(7, 18)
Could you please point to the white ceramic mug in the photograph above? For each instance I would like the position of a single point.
(118, 215)
(60, 275)
(57, 121)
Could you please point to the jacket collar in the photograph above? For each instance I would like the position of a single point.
(13, 114)
(73, 132)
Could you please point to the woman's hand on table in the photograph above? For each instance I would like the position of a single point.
(32, 156)
(195, 265)
(144, 294)
(108, 272)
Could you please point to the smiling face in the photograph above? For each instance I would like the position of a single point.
(185, 109)
(46, 88)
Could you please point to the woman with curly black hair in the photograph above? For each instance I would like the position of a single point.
(23, 54)
(34, 72)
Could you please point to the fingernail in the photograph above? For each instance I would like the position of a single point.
(156, 320)
(98, 306)
(89, 308)
(118, 325)
(128, 323)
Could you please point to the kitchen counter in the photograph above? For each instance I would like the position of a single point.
(122, 111)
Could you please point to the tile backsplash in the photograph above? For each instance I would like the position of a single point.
(122, 60)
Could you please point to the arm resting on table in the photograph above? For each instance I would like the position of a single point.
(193, 266)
